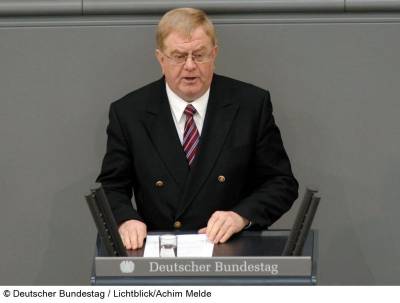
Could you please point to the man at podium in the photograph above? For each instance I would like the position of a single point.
(200, 151)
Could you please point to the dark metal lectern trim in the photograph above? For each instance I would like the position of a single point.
(204, 281)
(315, 256)
(310, 249)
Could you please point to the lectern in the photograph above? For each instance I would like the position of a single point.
(271, 257)
(249, 258)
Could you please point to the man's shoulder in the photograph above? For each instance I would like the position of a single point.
(138, 98)
(244, 92)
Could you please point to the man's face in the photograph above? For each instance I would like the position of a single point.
(188, 80)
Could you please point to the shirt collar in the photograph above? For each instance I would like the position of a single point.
(178, 105)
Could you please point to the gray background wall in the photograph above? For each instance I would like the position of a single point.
(333, 74)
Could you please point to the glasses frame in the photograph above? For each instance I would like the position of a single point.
(208, 58)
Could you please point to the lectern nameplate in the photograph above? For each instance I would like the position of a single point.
(215, 266)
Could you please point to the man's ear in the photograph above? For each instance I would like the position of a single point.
(216, 49)
(160, 59)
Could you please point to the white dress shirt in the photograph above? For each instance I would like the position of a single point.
(178, 105)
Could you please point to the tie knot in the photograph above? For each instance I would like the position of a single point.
(190, 110)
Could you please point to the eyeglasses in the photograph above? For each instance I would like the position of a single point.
(180, 59)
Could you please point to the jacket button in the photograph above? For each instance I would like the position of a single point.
(177, 224)
(160, 183)
(221, 179)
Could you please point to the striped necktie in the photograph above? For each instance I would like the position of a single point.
(190, 135)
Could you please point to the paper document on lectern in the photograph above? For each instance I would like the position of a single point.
(195, 245)
(190, 245)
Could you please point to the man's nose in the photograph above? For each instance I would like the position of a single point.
(190, 64)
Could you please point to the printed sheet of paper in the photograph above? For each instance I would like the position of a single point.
(194, 245)
(190, 245)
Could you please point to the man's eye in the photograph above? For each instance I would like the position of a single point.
(179, 57)
(199, 56)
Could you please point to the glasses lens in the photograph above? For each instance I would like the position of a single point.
(179, 59)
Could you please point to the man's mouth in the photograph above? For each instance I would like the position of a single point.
(189, 78)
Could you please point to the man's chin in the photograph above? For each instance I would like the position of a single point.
(190, 95)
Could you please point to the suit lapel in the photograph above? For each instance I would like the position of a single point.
(162, 131)
(219, 116)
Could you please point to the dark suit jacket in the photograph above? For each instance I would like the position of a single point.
(239, 141)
